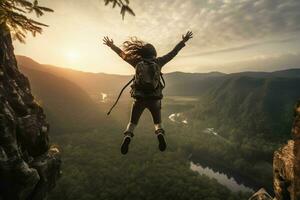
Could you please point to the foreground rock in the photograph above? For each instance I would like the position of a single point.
(29, 166)
(286, 167)
(261, 195)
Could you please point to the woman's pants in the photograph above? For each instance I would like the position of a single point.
(138, 106)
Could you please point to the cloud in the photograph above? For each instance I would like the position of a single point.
(239, 48)
(219, 23)
(224, 31)
(265, 63)
(256, 63)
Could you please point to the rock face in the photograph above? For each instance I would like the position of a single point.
(286, 165)
(29, 166)
(283, 171)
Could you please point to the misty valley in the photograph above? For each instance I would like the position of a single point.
(221, 130)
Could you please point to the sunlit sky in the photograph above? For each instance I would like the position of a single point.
(229, 35)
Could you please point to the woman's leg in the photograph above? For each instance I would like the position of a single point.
(137, 109)
(138, 106)
(154, 107)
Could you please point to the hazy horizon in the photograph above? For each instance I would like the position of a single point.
(82, 70)
(229, 35)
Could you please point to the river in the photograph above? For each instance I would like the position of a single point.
(222, 178)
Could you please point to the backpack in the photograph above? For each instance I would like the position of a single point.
(147, 76)
(145, 81)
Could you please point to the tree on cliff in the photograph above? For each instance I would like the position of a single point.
(14, 16)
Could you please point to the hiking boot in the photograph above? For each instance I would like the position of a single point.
(161, 139)
(126, 142)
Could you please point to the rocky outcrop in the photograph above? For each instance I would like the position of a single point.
(29, 166)
(261, 195)
(286, 165)
(283, 171)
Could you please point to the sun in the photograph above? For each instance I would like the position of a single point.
(72, 56)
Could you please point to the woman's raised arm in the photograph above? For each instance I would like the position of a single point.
(110, 43)
(169, 56)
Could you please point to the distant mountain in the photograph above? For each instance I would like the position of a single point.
(177, 83)
(288, 73)
(261, 105)
(190, 84)
(92, 83)
(68, 107)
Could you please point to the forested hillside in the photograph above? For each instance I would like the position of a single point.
(262, 106)
(68, 107)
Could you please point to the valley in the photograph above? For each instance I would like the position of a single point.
(233, 140)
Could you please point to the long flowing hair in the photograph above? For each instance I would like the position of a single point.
(137, 49)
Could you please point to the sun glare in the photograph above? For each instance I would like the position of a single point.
(73, 56)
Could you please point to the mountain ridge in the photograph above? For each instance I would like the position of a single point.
(177, 83)
(21, 58)
(54, 91)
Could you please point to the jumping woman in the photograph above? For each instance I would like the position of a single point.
(147, 84)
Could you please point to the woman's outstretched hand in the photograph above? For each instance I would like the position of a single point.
(107, 41)
(187, 36)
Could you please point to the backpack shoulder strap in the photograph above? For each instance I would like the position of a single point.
(119, 96)
(163, 80)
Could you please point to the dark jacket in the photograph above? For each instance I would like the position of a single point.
(160, 61)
